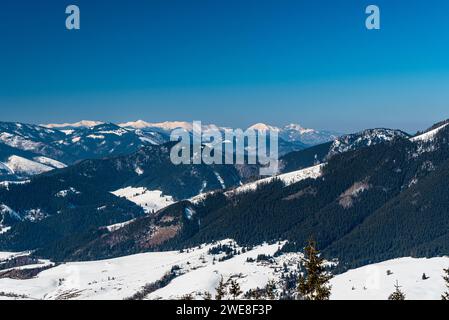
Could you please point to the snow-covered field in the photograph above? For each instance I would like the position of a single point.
(122, 277)
(200, 271)
(8, 255)
(373, 283)
(149, 200)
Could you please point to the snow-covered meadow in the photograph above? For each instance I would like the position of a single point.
(149, 200)
(122, 277)
(200, 270)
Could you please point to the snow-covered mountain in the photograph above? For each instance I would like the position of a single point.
(365, 138)
(323, 152)
(167, 125)
(363, 197)
(26, 150)
(310, 137)
(263, 127)
(289, 133)
(295, 133)
(80, 124)
(433, 139)
(68, 143)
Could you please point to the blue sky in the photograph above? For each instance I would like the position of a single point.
(230, 62)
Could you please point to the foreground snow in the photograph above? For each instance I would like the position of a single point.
(199, 271)
(373, 283)
(122, 277)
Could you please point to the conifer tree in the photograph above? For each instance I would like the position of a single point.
(445, 295)
(220, 290)
(207, 295)
(234, 289)
(270, 290)
(397, 294)
(314, 284)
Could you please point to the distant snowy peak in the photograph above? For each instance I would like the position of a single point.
(263, 127)
(139, 124)
(365, 138)
(295, 132)
(298, 128)
(80, 124)
(167, 125)
(291, 133)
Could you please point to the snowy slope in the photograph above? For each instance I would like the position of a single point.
(5, 169)
(288, 178)
(8, 255)
(20, 165)
(429, 135)
(149, 200)
(249, 275)
(200, 271)
(372, 282)
(122, 277)
(4, 229)
(50, 162)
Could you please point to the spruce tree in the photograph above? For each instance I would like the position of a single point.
(234, 289)
(445, 295)
(314, 284)
(220, 290)
(397, 294)
(270, 289)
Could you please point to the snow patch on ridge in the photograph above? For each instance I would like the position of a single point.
(19, 165)
(428, 136)
(287, 178)
(50, 162)
(149, 200)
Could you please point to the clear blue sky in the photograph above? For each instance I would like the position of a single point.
(230, 62)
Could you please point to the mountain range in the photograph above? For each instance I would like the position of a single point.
(365, 197)
(26, 150)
